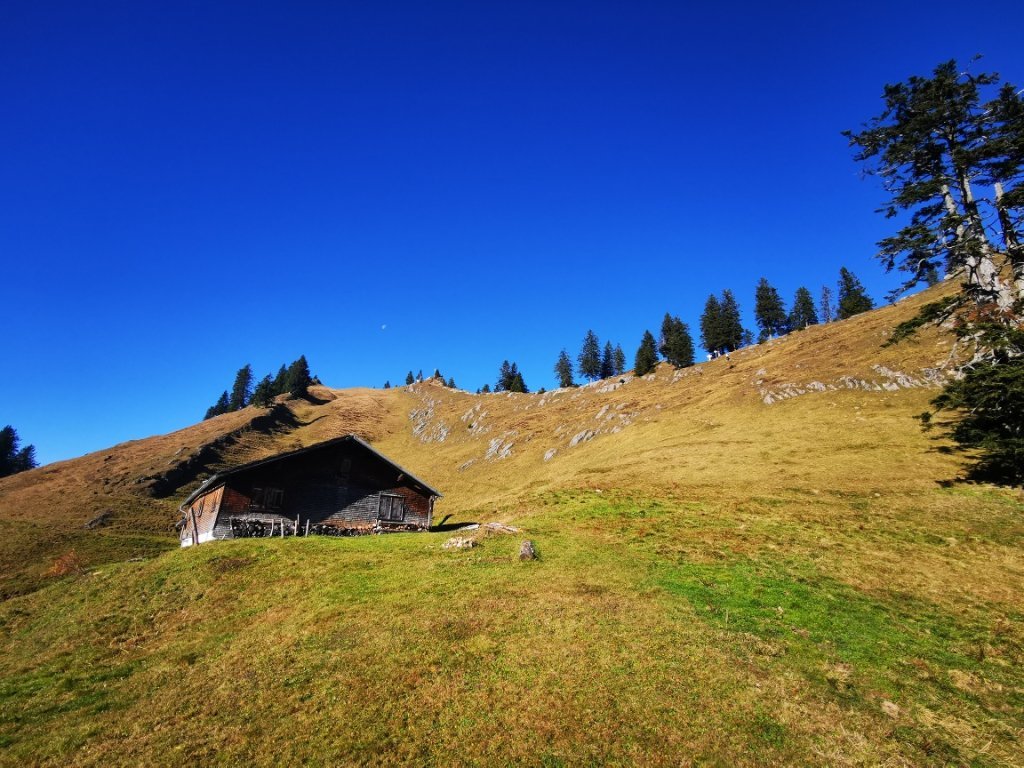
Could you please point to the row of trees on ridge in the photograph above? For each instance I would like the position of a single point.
(293, 379)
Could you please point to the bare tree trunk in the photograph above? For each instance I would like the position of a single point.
(982, 273)
(1014, 252)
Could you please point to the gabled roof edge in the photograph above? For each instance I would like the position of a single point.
(218, 478)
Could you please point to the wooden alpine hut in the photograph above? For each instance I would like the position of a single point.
(339, 487)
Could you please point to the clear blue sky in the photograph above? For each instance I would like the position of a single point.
(186, 187)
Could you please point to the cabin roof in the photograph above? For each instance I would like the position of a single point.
(220, 477)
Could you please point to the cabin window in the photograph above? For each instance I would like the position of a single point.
(392, 508)
(267, 498)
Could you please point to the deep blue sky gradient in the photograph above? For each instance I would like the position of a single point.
(188, 187)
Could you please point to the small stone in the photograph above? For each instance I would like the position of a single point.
(459, 542)
(527, 551)
(892, 710)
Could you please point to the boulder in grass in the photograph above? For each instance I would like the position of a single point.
(459, 542)
(527, 551)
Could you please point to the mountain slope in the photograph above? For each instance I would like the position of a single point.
(753, 561)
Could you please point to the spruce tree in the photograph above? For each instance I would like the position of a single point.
(241, 391)
(223, 405)
(409, 378)
(563, 370)
(769, 312)
(676, 344)
(505, 374)
(852, 298)
(517, 384)
(828, 311)
(485, 389)
(419, 376)
(620, 360)
(646, 355)
(733, 334)
(280, 384)
(803, 313)
(298, 378)
(590, 357)
(263, 393)
(13, 457)
(451, 382)
(711, 325)
(607, 361)
(387, 384)
(437, 374)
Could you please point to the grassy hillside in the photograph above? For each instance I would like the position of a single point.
(755, 561)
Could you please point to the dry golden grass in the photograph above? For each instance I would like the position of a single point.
(722, 581)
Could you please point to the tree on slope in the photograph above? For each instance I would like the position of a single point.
(827, 308)
(711, 325)
(852, 298)
(241, 390)
(732, 331)
(223, 405)
(280, 384)
(646, 355)
(563, 370)
(590, 357)
(939, 148)
(298, 379)
(13, 457)
(263, 393)
(620, 360)
(952, 163)
(803, 313)
(409, 378)
(607, 361)
(676, 344)
(769, 311)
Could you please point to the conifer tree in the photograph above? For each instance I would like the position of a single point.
(590, 357)
(451, 382)
(828, 312)
(769, 311)
(505, 375)
(646, 355)
(223, 405)
(298, 379)
(485, 389)
(733, 334)
(280, 385)
(852, 298)
(241, 391)
(409, 378)
(803, 313)
(437, 374)
(676, 344)
(563, 370)
(13, 457)
(620, 360)
(934, 140)
(517, 384)
(263, 393)
(419, 376)
(711, 325)
(387, 384)
(607, 361)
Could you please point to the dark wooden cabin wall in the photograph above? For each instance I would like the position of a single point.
(341, 487)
